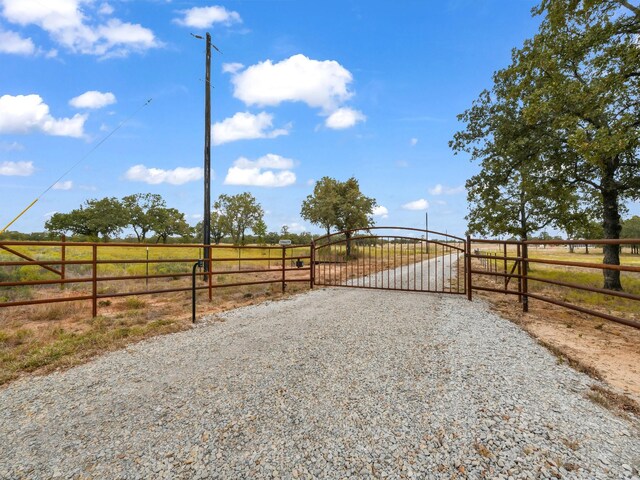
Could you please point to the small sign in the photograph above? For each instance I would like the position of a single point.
(284, 242)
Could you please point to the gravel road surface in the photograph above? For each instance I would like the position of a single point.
(335, 383)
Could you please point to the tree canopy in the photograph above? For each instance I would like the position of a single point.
(573, 90)
(238, 213)
(339, 204)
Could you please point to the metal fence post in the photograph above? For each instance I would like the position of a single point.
(94, 281)
(506, 279)
(468, 267)
(519, 262)
(209, 263)
(525, 283)
(284, 254)
(312, 266)
(63, 258)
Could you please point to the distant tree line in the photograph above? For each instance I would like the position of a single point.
(237, 219)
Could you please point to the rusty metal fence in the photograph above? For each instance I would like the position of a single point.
(566, 283)
(389, 258)
(81, 271)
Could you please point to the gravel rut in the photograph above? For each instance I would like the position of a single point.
(334, 383)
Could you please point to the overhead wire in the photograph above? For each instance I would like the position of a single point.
(84, 157)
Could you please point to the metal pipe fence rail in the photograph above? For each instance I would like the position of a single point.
(33, 273)
(540, 278)
(97, 271)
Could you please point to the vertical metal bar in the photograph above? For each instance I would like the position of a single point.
(63, 257)
(375, 262)
(414, 265)
(435, 265)
(394, 262)
(428, 266)
(239, 267)
(209, 263)
(506, 280)
(94, 281)
(468, 286)
(525, 282)
(421, 266)
(450, 266)
(519, 264)
(284, 253)
(146, 280)
(312, 272)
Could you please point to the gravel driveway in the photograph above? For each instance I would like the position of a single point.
(335, 383)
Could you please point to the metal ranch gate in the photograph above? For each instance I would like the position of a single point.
(391, 258)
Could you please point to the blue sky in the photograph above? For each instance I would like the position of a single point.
(302, 90)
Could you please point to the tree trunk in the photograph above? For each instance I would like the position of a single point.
(586, 249)
(348, 238)
(612, 228)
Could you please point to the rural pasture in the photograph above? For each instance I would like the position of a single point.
(144, 290)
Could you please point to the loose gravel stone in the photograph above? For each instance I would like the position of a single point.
(335, 383)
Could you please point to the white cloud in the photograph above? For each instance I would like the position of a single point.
(402, 163)
(270, 160)
(413, 142)
(444, 190)
(232, 67)
(311, 182)
(319, 84)
(93, 99)
(154, 176)
(344, 118)
(381, 211)
(11, 42)
(205, 17)
(250, 172)
(50, 214)
(17, 169)
(420, 204)
(105, 9)
(244, 126)
(70, 24)
(66, 185)
(26, 113)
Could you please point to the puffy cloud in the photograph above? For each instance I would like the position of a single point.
(154, 176)
(205, 17)
(319, 84)
(344, 118)
(26, 113)
(244, 126)
(11, 42)
(69, 23)
(250, 172)
(420, 204)
(444, 190)
(93, 99)
(66, 185)
(18, 169)
(413, 142)
(381, 211)
(232, 67)
(270, 160)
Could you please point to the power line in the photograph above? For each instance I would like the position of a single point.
(95, 147)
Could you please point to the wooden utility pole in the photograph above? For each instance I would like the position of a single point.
(206, 221)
